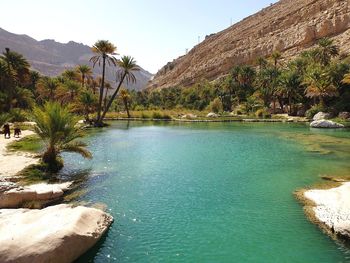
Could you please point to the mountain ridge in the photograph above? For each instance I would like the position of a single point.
(289, 26)
(51, 58)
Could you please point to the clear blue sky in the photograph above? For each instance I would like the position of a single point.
(152, 31)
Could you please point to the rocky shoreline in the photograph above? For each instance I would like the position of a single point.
(329, 208)
(58, 233)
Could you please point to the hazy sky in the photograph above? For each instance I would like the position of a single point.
(153, 31)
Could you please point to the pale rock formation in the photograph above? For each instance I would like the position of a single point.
(344, 115)
(212, 115)
(333, 208)
(16, 196)
(56, 234)
(325, 124)
(189, 116)
(321, 116)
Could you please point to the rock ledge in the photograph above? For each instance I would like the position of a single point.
(55, 234)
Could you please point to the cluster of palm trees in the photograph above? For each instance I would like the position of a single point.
(319, 77)
(54, 102)
(17, 82)
(105, 52)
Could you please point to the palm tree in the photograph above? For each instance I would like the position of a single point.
(125, 96)
(86, 104)
(34, 78)
(47, 87)
(319, 85)
(69, 74)
(5, 78)
(290, 83)
(73, 88)
(85, 71)
(261, 62)
(127, 66)
(56, 126)
(346, 79)
(16, 62)
(326, 51)
(276, 56)
(242, 80)
(14, 71)
(108, 87)
(266, 83)
(104, 51)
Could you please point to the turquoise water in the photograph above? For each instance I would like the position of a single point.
(208, 192)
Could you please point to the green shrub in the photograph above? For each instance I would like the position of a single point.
(314, 110)
(166, 116)
(216, 105)
(4, 117)
(17, 115)
(262, 113)
(157, 115)
(34, 173)
(144, 116)
(240, 110)
(30, 143)
(139, 108)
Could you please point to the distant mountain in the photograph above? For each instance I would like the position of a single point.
(51, 58)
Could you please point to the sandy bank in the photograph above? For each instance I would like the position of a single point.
(331, 207)
(13, 162)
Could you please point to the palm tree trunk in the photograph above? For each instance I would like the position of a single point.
(99, 107)
(126, 107)
(280, 102)
(112, 98)
(322, 102)
(105, 99)
(83, 80)
(290, 104)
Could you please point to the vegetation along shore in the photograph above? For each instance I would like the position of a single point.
(193, 155)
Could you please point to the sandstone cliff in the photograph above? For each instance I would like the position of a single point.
(289, 26)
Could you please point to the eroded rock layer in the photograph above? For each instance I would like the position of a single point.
(289, 26)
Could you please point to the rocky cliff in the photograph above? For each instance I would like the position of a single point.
(51, 58)
(289, 26)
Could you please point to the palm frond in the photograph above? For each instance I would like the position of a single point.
(77, 147)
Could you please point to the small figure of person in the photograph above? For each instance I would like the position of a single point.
(7, 132)
(17, 132)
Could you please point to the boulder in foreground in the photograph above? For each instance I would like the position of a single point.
(325, 124)
(321, 116)
(55, 234)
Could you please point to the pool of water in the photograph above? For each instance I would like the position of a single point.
(209, 192)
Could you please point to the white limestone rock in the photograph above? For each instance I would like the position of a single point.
(321, 116)
(333, 208)
(15, 197)
(325, 124)
(55, 234)
(212, 115)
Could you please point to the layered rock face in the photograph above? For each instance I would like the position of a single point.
(289, 26)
